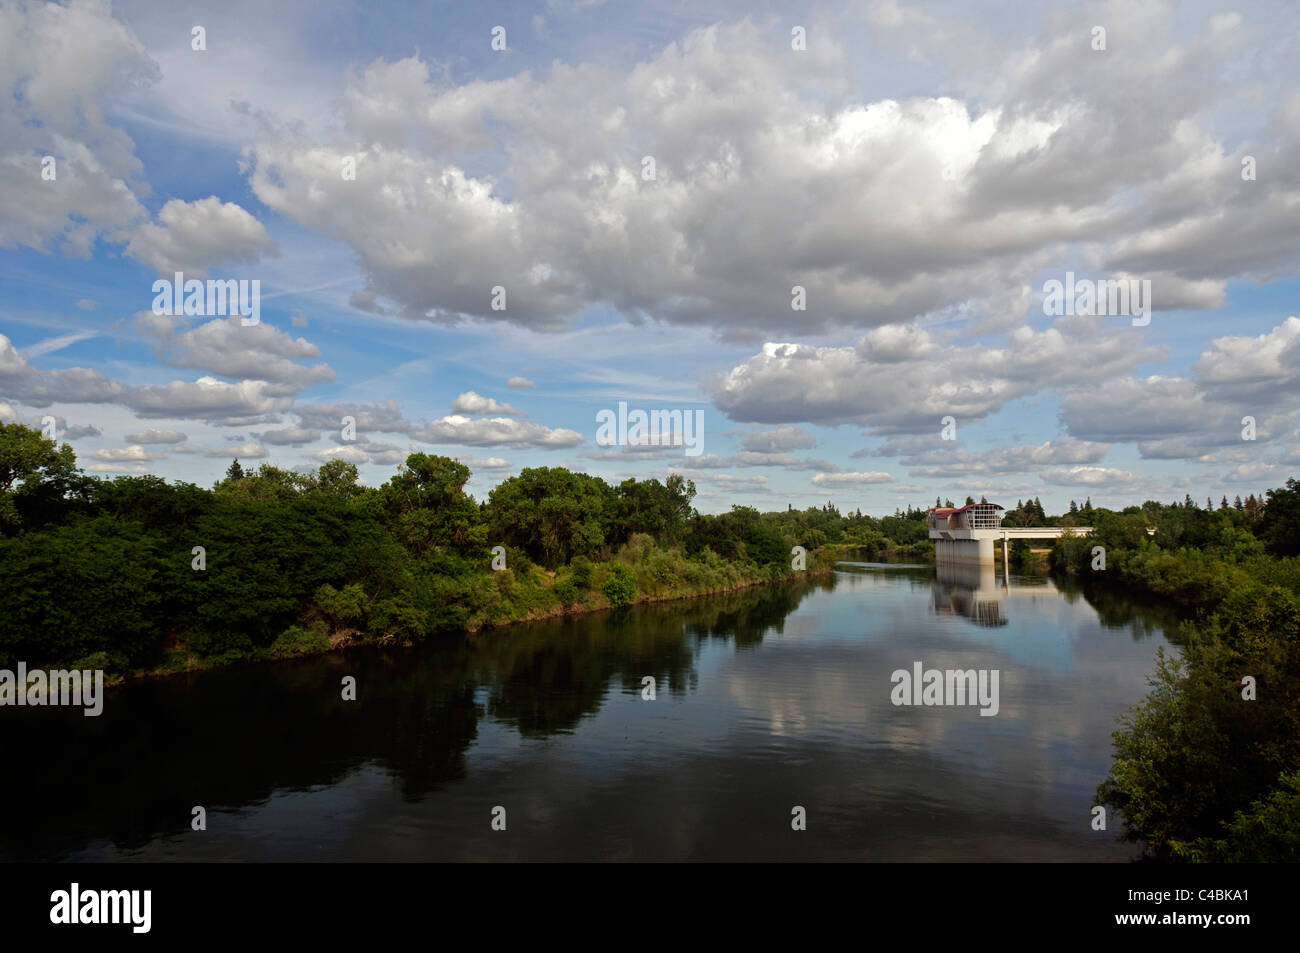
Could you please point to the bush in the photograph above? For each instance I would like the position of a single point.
(346, 606)
(566, 592)
(620, 587)
(1268, 833)
(582, 571)
(299, 640)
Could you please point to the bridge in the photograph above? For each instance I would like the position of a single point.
(968, 534)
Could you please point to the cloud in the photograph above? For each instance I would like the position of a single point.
(1254, 473)
(851, 479)
(250, 451)
(348, 452)
(517, 382)
(50, 345)
(227, 347)
(62, 429)
(385, 417)
(938, 463)
(485, 463)
(40, 388)
(117, 468)
(887, 209)
(753, 458)
(132, 454)
(192, 237)
(1253, 368)
(494, 431)
(207, 399)
(1090, 476)
(289, 436)
(779, 440)
(152, 436)
(1201, 416)
(472, 403)
(60, 65)
(892, 383)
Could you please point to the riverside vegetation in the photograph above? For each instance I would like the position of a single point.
(103, 573)
(1201, 773)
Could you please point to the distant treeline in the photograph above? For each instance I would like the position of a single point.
(135, 573)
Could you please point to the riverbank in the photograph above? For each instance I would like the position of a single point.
(319, 638)
(1207, 766)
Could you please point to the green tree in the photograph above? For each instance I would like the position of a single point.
(338, 478)
(33, 468)
(1281, 531)
(552, 513)
(427, 499)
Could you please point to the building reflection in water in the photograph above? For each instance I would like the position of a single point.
(978, 592)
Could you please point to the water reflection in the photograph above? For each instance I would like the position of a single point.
(766, 697)
(969, 591)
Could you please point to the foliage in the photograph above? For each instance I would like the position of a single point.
(33, 470)
(300, 640)
(620, 586)
(1201, 772)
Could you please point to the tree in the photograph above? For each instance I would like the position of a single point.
(553, 513)
(1254, 509)
(427, 499)
(32, 466)
(1281, 531)
(648, 506)
(235, 471)
(338, 477)
(267, 483)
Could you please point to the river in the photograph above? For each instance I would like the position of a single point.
(766, 700)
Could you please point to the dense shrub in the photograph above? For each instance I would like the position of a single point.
(300, 640)
(566, 592)
(620, 586)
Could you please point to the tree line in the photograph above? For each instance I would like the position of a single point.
(135, 573)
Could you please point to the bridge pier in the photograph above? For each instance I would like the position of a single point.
(971, 551)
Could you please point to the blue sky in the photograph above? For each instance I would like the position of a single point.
(919, 169)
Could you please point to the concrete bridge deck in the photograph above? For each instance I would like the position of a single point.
(978, 545)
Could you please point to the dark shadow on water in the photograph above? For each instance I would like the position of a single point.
(231, 738)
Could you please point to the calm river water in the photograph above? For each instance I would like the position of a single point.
(766, 700)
